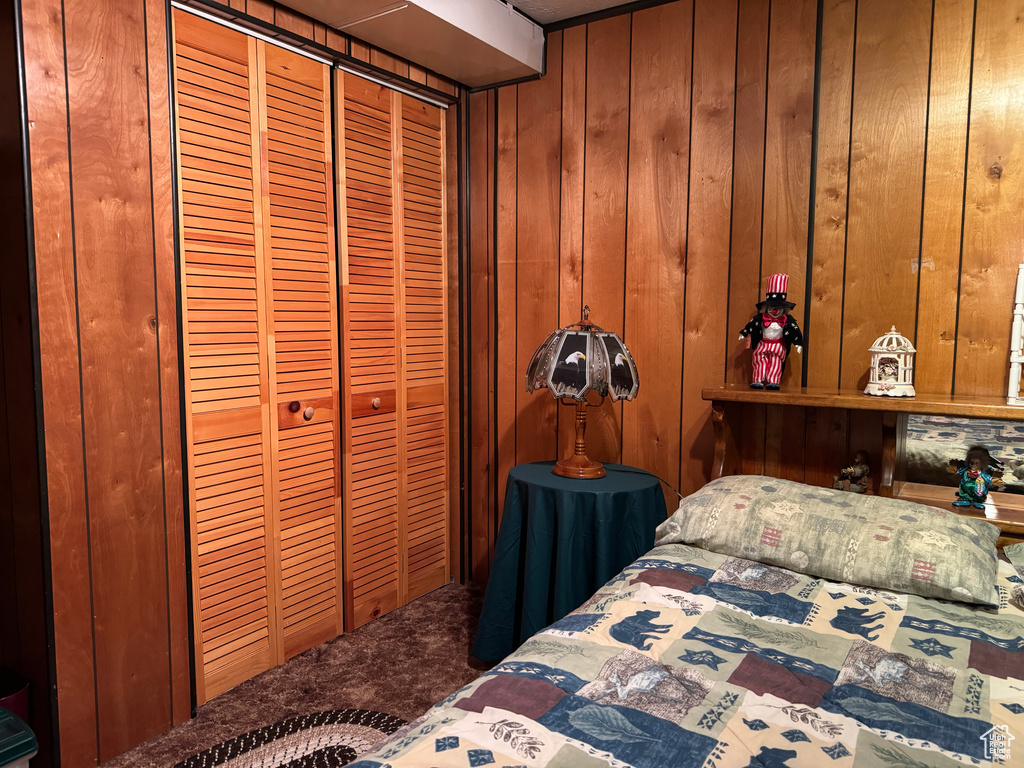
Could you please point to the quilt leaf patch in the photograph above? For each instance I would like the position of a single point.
(865, 709)
(517, 736)
(771, 635)
(606, 724)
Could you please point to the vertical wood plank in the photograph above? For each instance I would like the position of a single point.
(748, 183)
(417, 74)
(481, 323)
(359, 50)
(294, 22)
(992, 234)
(106, 45)
(656, 236)
(24, 567)
(537, 215)
(386, 61)
(604, 211)
(442, 84)
(261, 9)
(508, 377)
(710, 191)
(788, 124)
(337, 41)
(824, 313)
(752, 439)
(948, 99)
(886, 177)
(570, 246)
(46, 86)
(775, 462)
(826, 451)
(161, 175)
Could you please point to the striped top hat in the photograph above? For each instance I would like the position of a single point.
(775, 296)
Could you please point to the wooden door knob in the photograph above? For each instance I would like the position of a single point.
(308, 413)
(375, 403)
(294, 406)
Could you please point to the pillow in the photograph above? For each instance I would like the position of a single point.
(841, 536)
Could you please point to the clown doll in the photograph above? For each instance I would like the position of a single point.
(771, 333)
(978, 474)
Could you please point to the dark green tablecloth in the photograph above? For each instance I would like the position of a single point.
(560, 540)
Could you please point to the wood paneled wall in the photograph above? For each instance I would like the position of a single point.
(23, 603)
(671, 158)
(100, 165)
(96, 78)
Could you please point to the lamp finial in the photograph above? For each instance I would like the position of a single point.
(586, 312)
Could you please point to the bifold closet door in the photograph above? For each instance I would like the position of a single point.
(227, 387)
(259, 319)
(424, 343)
(302, 291)
(393, 319)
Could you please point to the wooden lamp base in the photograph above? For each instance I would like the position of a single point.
(579, 465)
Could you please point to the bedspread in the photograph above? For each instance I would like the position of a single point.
(692, 658)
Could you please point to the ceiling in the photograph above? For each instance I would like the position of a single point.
(549, 11)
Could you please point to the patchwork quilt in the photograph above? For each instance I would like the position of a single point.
(693, 659)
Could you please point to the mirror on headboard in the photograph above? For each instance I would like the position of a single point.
(931, 441)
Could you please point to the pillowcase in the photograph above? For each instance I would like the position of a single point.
(841, 536)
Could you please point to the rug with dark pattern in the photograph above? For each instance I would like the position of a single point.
(318, 740)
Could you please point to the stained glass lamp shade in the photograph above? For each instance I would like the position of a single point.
(582, 364)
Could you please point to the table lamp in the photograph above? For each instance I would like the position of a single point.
(584, 363)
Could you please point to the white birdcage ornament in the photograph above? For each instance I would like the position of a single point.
(892, 366)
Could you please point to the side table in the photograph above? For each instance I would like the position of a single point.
(561, 539)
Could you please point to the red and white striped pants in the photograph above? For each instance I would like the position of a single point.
(768, 358)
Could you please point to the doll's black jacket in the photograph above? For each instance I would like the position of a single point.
(790, 332)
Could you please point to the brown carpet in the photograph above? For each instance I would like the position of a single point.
(401, 664)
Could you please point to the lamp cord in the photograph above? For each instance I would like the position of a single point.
(637, 471)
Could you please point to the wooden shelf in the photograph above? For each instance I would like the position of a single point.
(1004, 510)
(854, 399)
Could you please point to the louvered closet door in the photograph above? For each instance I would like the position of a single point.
(369, 284)
(421, 146)
(260, 333)
(303, 318)
(227, 392)
(393, 284)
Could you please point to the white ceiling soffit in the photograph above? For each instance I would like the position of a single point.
(551, 11)
(475, 42)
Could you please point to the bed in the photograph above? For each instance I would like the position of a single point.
(773, 624)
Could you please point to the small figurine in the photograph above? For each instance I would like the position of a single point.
(979, 474)
(854, 478)
(770, 333)
(888, 369)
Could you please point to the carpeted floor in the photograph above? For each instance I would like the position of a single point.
(400, 664)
